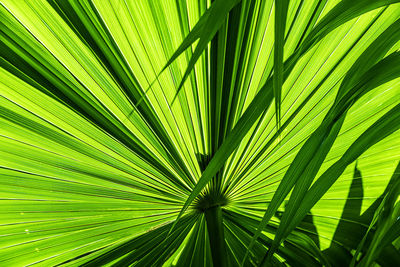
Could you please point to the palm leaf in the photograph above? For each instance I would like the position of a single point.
(199, 133)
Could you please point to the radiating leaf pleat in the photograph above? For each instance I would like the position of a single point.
(279, 43)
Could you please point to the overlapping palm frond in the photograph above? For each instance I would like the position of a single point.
(199, 133)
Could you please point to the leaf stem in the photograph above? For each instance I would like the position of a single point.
(216, 234)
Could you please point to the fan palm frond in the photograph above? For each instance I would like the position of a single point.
(199, 133)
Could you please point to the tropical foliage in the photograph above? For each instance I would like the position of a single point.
(199, 133)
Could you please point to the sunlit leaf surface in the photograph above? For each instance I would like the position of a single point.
(199, 133)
